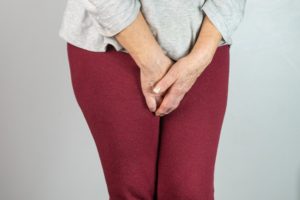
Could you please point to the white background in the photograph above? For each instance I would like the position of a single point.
(47, 152)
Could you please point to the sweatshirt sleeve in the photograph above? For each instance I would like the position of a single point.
(115, 15)
(226, 15)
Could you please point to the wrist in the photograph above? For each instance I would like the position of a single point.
(202, 56)
(207, 42)
(147, 59)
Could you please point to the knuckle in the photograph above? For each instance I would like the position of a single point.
(169, 79)
(174, 75)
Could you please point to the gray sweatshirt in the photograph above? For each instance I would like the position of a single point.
(92, 24)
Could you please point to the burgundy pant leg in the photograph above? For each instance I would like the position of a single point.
(190, 135)
(107, 89)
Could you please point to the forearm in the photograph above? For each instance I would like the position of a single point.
(139, 41)
(207, 42)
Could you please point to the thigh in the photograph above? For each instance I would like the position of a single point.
(190, 135)
(107, 89)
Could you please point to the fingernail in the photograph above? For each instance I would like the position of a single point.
(156, 90)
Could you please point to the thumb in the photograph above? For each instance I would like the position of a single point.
(163, 84)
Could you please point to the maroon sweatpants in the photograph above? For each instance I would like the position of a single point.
(147, 157)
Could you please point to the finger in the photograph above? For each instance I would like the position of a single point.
(165, 82)
(151, 103)
(158, 99)
(170, 101)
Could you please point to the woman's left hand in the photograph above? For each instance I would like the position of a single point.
(178, 81)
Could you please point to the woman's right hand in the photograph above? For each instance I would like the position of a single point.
(141, 44)
(152, 70)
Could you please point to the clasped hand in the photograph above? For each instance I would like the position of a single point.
(165, 82)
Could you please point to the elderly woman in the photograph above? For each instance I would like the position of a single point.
(151, 78)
